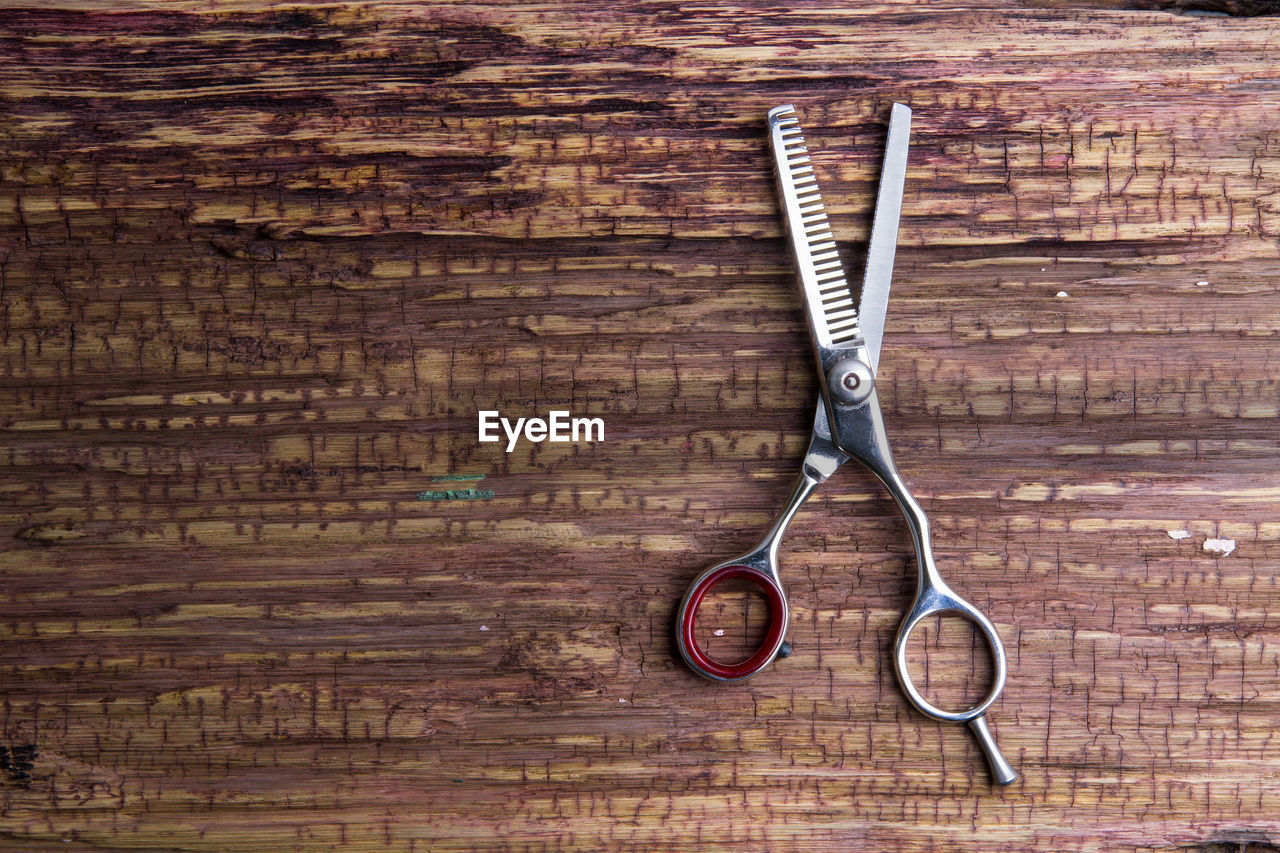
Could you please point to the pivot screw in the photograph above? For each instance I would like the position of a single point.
(850, 380)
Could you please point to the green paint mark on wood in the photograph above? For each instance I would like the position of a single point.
(456, 495)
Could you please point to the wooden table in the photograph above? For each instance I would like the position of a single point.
(262, 267)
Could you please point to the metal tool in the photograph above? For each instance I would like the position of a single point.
(848, 424)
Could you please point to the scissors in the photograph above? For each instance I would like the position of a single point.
(847, 425)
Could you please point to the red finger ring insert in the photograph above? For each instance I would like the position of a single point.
(772, 640)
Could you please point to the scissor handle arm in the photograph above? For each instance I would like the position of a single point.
(760, 566)
(859, 431)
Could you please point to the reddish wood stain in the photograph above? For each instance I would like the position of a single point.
(260, 267)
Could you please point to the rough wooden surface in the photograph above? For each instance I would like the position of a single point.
(260, 267)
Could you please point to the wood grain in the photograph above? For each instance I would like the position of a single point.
(261, 266)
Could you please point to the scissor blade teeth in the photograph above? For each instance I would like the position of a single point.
(833, 316)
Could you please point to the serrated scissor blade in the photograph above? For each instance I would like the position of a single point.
(833, 317)
(873, 302)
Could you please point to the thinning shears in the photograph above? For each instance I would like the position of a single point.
(847, 425)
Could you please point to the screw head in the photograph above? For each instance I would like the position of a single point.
(850, 380)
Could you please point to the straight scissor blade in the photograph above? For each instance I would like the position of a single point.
(874, 299)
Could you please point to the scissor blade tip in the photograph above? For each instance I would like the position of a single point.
(901, 108)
